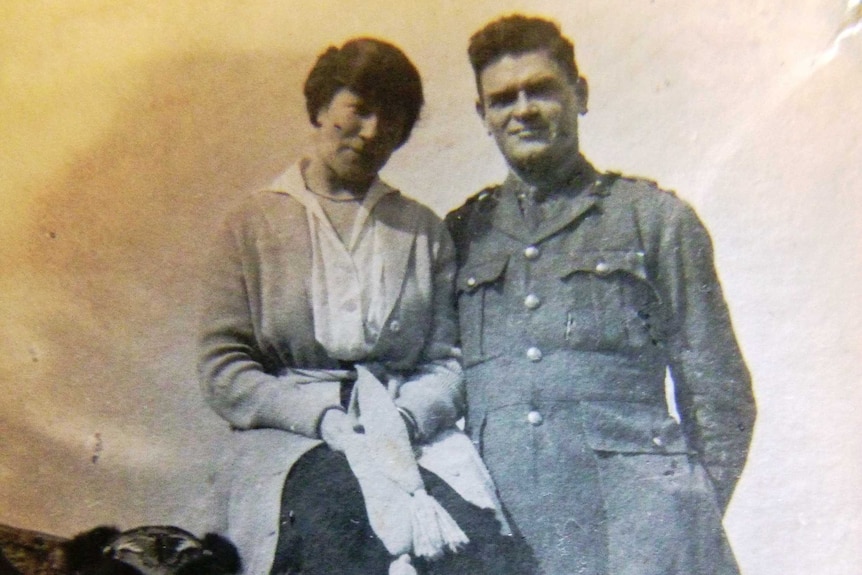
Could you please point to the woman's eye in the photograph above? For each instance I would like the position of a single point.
(362, 110)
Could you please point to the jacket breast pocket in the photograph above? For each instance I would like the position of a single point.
(612, 303)
(477, 281)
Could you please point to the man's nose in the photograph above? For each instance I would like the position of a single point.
(524, 105)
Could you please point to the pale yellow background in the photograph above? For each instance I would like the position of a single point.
(127, 127)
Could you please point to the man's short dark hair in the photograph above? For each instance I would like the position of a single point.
(518, 34)
(375, 70)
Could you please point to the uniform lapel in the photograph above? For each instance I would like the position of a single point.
(509, 219)
(575, 208)
(507, 214)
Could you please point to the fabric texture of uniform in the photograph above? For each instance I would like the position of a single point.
(570, 321)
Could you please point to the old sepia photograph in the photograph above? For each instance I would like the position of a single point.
(430, 288)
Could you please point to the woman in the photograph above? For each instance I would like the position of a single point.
(327, 270)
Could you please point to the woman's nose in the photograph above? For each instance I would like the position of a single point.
(370, 126)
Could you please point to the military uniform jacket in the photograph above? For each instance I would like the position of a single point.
(589, 309)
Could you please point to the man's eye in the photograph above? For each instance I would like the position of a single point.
(501, 100)
(542, 90)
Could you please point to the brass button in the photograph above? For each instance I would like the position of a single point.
(531, 252)
(532, 301)
(471, 282)
(534, 354)
(535, 418)
(602, 268)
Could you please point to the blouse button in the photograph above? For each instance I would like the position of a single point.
(602, 268)
(395, 326)
(535, 418)
(531, 252)
(471, 282)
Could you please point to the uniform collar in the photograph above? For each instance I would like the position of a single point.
(580, 193)
(580, 178)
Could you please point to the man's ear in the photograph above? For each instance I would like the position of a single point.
(582, 91)
(480, 109)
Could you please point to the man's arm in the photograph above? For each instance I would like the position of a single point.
(712, 384)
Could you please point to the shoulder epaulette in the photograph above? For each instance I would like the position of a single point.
(650, 183)
(462, 220)
(476, 201)
(603, 183)
(611, 177)
(484, 195)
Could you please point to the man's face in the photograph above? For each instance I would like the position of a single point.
(354, 138)
(530, 105)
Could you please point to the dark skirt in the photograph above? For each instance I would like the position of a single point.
(325, 528)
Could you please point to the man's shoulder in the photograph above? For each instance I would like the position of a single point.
(477, 205)
(485, 199)
(637, 187)
(642, 195)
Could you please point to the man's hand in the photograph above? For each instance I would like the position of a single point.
(336, 429)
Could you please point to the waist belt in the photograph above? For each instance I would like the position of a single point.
(565, 375)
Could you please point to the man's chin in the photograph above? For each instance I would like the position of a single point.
(527, 149)
(529, 159)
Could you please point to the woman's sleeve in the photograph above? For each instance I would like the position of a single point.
(235, 374)
(434, 393)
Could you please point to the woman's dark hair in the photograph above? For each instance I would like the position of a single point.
(517, 34)
(376, 71)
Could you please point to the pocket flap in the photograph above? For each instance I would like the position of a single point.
(475, 274)
(627, 427)
(605, 262)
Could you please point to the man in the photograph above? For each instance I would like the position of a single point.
(577, 292)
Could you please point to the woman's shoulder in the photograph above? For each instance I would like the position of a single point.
(261, 206)
(410, 209)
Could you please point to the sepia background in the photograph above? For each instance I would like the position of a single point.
(128, 127)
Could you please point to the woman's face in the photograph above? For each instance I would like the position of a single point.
(355, 138)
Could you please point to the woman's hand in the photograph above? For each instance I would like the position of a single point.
(335, 429)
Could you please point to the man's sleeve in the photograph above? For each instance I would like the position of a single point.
(712, 384)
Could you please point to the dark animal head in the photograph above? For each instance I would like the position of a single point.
(150, 550)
